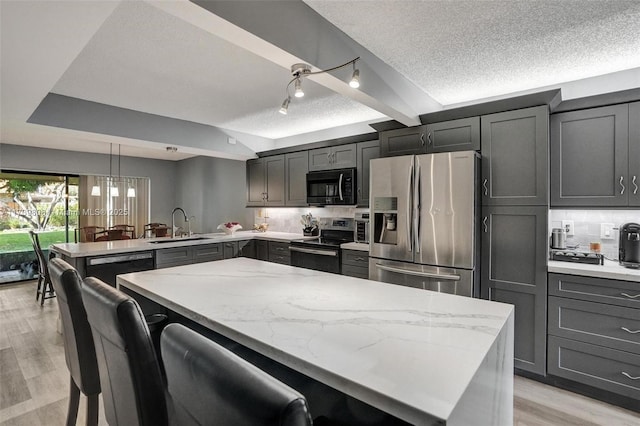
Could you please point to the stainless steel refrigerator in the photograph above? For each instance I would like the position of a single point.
(424, 221)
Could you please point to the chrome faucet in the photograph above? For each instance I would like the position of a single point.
(173, 220)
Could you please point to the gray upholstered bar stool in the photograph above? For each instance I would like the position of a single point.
(79, 351)
(132, 386)
(209, 385)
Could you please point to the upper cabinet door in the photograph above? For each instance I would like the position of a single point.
(296, 168)
(454, 135)
(255, 183)
(514, 157)
(590, 157)
(634, 154)
(274, 180)
(411, 140)
(336, 157)
(367, 151)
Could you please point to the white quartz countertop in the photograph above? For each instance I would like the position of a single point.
(610, 269)
(133, 245)
(410, 352)
(355, 246)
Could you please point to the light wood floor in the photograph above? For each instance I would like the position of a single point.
(34, 380)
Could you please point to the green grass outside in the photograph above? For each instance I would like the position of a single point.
(20, 241)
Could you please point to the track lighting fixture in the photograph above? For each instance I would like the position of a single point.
(302, 70)
(285, 106)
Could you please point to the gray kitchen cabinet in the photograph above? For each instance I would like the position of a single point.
(266, 181)
(334, 157)
(230, 249)
(366, 151)
(593, 332)
(186, 255)
(634, 154)
(590, 157)
(262, 249)
(279, 252)
(355, 263)
(247, 248)
(406, 141)
(514, 157)
(296, 168)
(454, 135)
(513, 270)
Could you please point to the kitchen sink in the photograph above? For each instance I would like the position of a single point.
(177, 240)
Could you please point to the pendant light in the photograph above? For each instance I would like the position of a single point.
(95, 189)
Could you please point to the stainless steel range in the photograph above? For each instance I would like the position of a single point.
(323, 253)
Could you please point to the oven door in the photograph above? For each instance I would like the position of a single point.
(316, 258)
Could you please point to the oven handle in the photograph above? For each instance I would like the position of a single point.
(340, 187)
(418, 273)
(312, 251)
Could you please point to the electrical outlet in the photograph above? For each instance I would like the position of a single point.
(606, 231)
(567, 225)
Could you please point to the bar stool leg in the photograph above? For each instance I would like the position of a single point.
(74, 401)
(92, 410)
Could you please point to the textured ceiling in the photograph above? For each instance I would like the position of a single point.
(459, 51)
(147, 60)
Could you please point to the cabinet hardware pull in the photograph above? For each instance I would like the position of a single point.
(359, 259)
(484, 223)
(484, 185)
(429, 138)
(635, 185)
(630, 296)
(449, 277)
(622, 185)
(329, 157)
(630, 331)
(422, 138)
(630, 376)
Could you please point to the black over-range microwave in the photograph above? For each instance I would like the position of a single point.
(332, 187)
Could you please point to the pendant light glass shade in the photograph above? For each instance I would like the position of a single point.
(95, 190)
(114, 191)
(131, 193)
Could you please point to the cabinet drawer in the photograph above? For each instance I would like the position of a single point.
(355, 271)
(173, 257)
(355, 258)
(279, 253)
(278, 258)
(604, 368)
(207, 253)
(615, 292)
(611, 326)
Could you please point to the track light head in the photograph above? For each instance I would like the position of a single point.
(299, 92)
(285, 106)
(355, 79)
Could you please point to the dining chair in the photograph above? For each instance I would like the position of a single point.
(79, 350)
(133, 390)
(86, 234)
(155, 229)
(210, 385)
(128, 231)
(44, 289)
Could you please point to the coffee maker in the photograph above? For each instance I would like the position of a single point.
(629, 245)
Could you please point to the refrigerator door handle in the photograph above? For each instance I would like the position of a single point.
(416, 206)
(410, 209)
(418, 273)
(340, 187)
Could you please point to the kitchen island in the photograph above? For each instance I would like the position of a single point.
(423, 357)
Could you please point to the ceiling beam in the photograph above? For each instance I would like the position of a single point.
(289, 32)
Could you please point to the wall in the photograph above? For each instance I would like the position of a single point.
(214, 191)
(288, 219)
(587, 227)
(162, 173)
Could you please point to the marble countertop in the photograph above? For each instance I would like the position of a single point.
(133, 245)
(411, 352)
(610, 269)
(355, 246)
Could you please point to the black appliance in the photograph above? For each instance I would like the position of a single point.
(629, 245)
(107, 267)
(332, 187)
(323, 253)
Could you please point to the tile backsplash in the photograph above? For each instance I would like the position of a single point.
(587, 224)
(288, 219)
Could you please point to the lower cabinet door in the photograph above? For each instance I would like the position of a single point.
(597, 366)
(207, 253)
